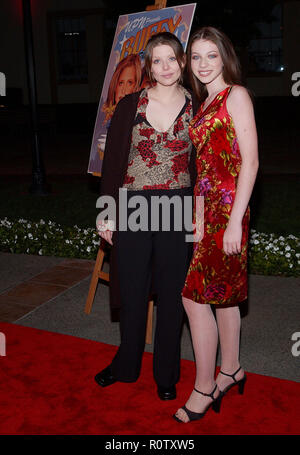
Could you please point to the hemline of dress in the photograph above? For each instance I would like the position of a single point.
(228, 304)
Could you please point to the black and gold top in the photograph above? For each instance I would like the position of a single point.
(159, 160)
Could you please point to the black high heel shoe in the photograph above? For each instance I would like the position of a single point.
(240, 383)
(215, 404)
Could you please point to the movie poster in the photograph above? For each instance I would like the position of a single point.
(125, 73)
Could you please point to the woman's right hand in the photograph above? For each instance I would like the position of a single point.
(106, 235)
(104, 231)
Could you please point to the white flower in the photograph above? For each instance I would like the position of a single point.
(288, 255)
(88, 249)
(45, 236)
(40, 252)
(30, 235)
(287, 248)
(256, 242)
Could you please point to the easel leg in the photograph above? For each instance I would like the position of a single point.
(149, 323)
(94, 281)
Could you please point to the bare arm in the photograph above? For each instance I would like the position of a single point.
(239, 106)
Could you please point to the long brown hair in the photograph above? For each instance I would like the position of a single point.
(231, 69)
(163, 38)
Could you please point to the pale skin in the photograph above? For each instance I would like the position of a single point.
(207, 66)
(166, 98)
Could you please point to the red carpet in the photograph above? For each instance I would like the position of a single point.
(47, 387)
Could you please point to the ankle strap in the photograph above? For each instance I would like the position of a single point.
(231, 375)
(211, 395)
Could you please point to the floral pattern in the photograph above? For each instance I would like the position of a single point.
(159, 160)
(214, 277)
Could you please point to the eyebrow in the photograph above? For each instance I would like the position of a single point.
(209, 52)
(169, 55)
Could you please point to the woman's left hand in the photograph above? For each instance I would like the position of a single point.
(232, 238)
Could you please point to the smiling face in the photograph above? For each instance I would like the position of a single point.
(126, 83)
(206, 62)
(165, 68)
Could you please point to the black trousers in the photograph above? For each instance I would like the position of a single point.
(151, 261)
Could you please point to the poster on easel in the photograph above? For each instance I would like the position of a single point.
(125, 74)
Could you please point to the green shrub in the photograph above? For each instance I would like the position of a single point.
(269, 254)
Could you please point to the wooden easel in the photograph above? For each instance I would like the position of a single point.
(98, 269)
(99, 273)
(159, 4)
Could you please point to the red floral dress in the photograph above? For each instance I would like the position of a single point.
(214, 277)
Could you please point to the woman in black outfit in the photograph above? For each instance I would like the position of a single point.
(148, 152)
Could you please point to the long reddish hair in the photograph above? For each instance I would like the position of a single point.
(231, 68)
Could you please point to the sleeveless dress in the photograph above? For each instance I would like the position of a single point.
(214, 277)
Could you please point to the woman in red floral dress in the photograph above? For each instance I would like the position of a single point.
(224, 134)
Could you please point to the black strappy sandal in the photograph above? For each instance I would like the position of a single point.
(240, 383)
(215, 404)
